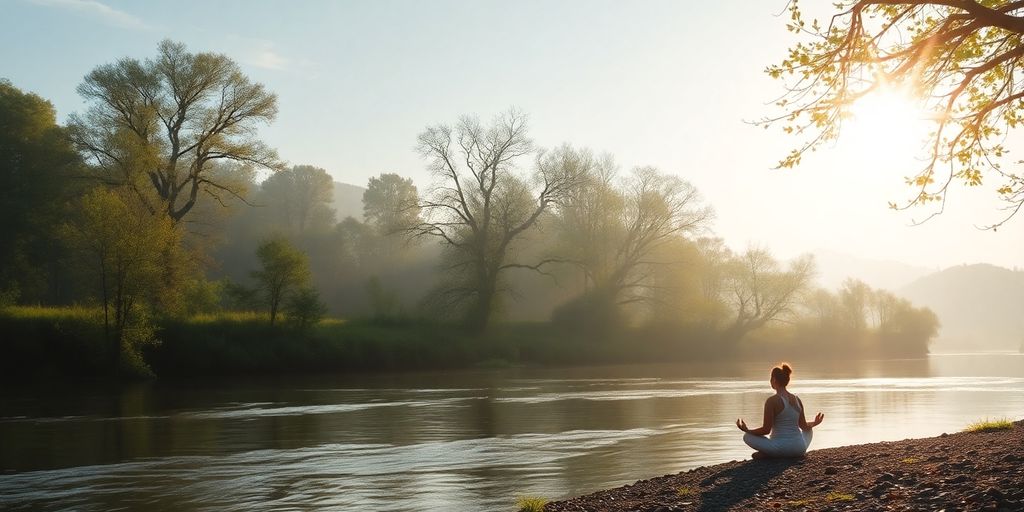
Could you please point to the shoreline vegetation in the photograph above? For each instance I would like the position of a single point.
(68, 343)
(117, 264)
(979, 469)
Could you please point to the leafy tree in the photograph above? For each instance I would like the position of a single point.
(37, 164)
(961, 59)
(124, 250)
(300, 198)
(613, 232)
(160, 124)
(283, 270)
(391, 204)
(482, 204)
(854, 299)
(760, 290)
(305, 309)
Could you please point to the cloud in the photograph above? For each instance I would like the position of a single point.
(256, 52)
(96, 9)
(267, 58)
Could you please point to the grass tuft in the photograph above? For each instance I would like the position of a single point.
(838, 496)
(531, 504)
(988, 425)
(685, 491)
(910, 460)
(800, 503)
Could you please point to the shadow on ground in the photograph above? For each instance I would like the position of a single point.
(731, 486)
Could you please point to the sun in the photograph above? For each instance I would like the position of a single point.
(888, 124)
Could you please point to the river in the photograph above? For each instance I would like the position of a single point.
(466, 440)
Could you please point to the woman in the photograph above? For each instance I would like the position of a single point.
(784, 419)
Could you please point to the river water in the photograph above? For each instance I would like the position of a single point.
(468, 440)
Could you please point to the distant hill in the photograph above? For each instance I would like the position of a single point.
(980, 306)
(834, 268)
(348, 201)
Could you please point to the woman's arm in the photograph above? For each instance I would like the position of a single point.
(803, 421)
(766, 424)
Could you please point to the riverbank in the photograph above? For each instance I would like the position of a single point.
(45, 343)
(960, 471)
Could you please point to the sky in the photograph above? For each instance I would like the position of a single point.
(670, 84)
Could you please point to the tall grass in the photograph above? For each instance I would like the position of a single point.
(988, 425)
(531, 504)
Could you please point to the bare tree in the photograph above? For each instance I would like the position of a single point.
(760, 291)
(481, 204)
(162, 122)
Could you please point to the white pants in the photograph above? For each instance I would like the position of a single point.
(780, 447)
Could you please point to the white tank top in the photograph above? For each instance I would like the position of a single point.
(787, 421)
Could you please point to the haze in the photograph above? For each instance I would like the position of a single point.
(667, 84)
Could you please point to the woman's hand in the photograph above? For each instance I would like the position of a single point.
(742, 425)
(818, 419)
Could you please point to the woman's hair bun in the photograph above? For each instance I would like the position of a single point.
(786, 368)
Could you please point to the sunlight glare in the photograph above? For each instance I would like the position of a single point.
(888, 126)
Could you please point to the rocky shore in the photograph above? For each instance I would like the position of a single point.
(962, 471)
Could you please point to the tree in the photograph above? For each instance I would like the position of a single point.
(391, 204)
(124, 249)
(962, 59)
(161, 123)
(300, 198)
(760, 291)
(36, 166)
(283, 269)
(305, 309)
(854, 299)
(481, 204)
(613, 233)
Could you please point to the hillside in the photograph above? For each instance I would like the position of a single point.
(348, 201)
(980, 306)
(834, 268)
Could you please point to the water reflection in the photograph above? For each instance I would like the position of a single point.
(472, 440)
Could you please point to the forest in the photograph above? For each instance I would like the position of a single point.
(155, 233)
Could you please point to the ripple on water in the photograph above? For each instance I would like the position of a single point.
(330, 475)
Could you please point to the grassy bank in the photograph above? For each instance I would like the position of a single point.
(54, 342)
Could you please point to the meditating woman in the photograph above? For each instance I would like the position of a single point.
(784, 419)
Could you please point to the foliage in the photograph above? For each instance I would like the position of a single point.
(613, 232)
(283, 270)
(988, 425)
(125, 250)
(298, 199)
(304, 308)
(158, 126)
(201, 296)
(867, 320)
(391, 204)
(960, 60)
(37, 166)
(531, 504)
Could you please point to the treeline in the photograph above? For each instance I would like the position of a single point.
(159, 204)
